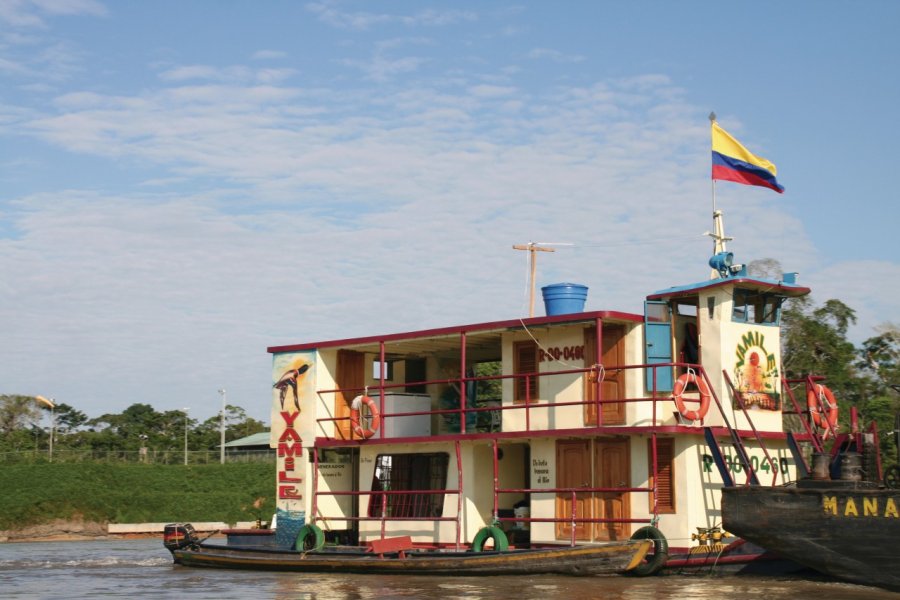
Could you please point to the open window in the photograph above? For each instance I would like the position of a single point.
(409, 473)
(751, 306)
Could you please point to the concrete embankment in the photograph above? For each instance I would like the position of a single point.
(65, 530)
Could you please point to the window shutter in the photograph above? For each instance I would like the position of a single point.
(665, 484)
(525, 362)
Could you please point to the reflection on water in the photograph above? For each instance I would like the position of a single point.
(143, 569)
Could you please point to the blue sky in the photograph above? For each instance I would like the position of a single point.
(183, 184)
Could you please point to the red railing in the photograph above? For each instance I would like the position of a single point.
(528, 405)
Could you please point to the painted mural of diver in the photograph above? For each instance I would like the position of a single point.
(289, 380)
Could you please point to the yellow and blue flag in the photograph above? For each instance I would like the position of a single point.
(732, 162)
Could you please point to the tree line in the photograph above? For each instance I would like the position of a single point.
(24, 426)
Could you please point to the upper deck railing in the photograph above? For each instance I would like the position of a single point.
(497, 415)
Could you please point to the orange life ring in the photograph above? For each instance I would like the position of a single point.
(826, 417)
(678, 395)
(355, 406)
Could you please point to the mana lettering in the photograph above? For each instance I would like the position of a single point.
(861, 507)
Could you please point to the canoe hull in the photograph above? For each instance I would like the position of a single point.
(600, 559)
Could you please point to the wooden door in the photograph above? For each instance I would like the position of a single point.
(350, 375)
(612, 385)
(612, 470)
(573, 470)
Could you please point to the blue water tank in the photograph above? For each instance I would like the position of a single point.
(564, 298)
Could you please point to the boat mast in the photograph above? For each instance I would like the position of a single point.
(718, 233)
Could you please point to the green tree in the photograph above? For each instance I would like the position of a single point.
(880, 360)
(815, 342)
(20, 423)
(17, 412)
(69, 419)
(137, 426)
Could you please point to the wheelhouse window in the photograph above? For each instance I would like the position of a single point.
(409, 473)
(755, 307)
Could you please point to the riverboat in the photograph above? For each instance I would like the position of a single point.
(576, 429)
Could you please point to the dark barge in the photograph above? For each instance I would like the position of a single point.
(841, 519)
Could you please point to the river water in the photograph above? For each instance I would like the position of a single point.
(144, 569)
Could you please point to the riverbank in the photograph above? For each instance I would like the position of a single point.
(71, 530)
(82, 501)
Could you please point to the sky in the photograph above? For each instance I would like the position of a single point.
(185, 184)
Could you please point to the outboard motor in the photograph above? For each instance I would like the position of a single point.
(179, 535)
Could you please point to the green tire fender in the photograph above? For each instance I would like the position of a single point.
(310, 537)
(660, 556)
(501, 543)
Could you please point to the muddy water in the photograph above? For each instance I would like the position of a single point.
(143, 569)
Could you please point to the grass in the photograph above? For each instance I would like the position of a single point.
(127, 493)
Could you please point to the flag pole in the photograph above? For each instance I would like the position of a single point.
(718, 234)
(712, 119)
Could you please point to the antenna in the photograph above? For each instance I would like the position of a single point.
(533, 247)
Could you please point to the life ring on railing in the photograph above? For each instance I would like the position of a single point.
(678, 395)
(309, 538)
(826, 418)
(355, 407)
(659, 558)
(501, 544)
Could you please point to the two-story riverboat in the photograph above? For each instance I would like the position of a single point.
(573, 429)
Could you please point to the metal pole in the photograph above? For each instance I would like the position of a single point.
(532, 247)
(222, 428)
(185, 435)
(52, 427)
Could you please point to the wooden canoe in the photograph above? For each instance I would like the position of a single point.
(595, 559)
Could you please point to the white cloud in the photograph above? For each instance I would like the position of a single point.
(381, 68)
(329, 12)
(32, 13)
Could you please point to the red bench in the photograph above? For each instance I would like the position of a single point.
(388, 545)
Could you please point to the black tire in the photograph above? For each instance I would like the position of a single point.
(656, 561)
(309, 538)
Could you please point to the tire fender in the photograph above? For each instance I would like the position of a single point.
(501, 544)
(660, 555)
(309, 538)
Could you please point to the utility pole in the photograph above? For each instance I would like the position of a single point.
(533, 247)
(185, 435)
(222, 428)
